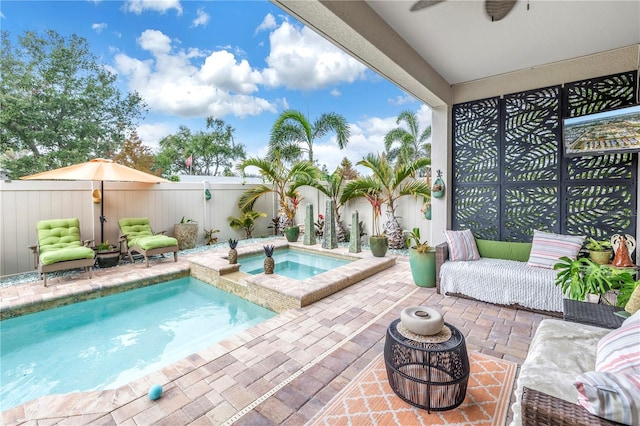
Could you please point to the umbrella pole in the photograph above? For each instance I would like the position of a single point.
(102, 218)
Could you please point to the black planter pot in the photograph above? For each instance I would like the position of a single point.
(108, 259)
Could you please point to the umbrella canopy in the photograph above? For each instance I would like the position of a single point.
(97, 169)
(94, 170)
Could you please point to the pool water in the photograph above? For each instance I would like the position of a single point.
(291, 263)
(106, 342)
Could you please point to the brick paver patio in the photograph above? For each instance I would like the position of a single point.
(282, 371)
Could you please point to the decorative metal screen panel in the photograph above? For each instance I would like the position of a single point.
(511, 175)
(476, 207)
(476, 151)
(532, 136)
(529, 207)
(600, 191)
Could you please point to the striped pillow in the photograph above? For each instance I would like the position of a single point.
(612, 396)
(462, 245)
(613, 390)
(547, 248)
(619, 351)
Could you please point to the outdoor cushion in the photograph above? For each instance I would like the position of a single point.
(59, 241)
(612, 391)
(149, 242)
(135, 227)
(547, 248)
(507, 250)
(64, 254)
(462, 245)
(56, 234)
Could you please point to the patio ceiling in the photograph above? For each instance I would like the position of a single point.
(454, 42)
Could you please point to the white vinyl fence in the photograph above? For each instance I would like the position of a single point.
(23, 203)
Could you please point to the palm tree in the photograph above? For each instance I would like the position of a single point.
(282, 180)
(412, 143)
(386, 185)
(292, 134)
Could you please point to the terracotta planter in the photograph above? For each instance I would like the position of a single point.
(292, 233)
(378, 245)
(423, 267)
(186, 234)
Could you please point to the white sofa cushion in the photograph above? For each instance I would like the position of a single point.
(560, 351)
(504, 282)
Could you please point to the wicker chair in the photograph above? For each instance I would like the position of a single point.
(541, 409)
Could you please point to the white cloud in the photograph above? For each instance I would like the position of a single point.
(335, 92)
(424, 116)
(155, 42)
(222, 70)
(202, 19)
(151, 133)
(162, 6)
(171, 84)
(301, 59)
(99, 27)
(268, 23)
(367, 136)
(402, 100)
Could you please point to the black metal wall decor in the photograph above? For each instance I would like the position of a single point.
(511, 175)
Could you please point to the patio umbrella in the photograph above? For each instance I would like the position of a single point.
(101, 170)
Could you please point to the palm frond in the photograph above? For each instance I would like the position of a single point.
(251, 195)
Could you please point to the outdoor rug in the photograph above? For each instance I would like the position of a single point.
(369, 400)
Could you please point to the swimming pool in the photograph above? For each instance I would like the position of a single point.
(292, 263)
(106, 342)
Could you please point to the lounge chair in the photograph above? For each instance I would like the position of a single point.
(59, 247)
(136, 233)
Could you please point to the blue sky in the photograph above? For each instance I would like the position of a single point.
(242, 61)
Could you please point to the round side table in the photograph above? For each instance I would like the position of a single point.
(432, 376)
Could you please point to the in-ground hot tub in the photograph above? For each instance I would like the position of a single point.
(278, 292)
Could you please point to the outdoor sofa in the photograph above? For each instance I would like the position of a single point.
(580, 374)
(503, 273)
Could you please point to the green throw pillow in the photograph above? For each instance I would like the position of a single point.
(504, 250)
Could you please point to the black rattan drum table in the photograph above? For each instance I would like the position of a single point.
(425, 371)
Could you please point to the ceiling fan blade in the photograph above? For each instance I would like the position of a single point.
(424, 3)
(498, 9)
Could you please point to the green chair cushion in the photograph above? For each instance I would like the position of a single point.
(135, 227)
(59, 241)
(139, 234)
(504, 250)
(64, 254)
(153, 242)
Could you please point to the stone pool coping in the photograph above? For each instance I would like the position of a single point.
(274, 292)
(279, 293)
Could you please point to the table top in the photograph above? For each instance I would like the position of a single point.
(597, 314)
(457, 339)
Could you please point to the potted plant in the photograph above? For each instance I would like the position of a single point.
(233, 253)
(599, 251)
(107, 255)
(582, 277)
(269, 263)
(186, 232)
(378, 241)
(292, 231)
(422, 259)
